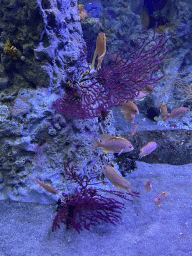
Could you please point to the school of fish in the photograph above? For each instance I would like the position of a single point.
(112, 144)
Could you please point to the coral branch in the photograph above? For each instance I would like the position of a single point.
(87, 207)
(129, 71)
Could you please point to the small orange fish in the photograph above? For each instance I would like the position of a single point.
(164, 113)
(178, 112)
(114, 177)
(149, 88)
(148, 185)
(130, 107)
(82, 12)
(129, 117)
(100, 50)
(147, 149)
(160, 198)
(111, 144)
(134, 130)
(46, 187)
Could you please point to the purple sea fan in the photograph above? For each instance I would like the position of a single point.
(87, 206)
(132, 68)
(129, 71)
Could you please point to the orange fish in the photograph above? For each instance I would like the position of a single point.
(130, 107)
(160, 198)
(147, 149)
(148, 185)
(164, 113)
(134, 130)
(149, 88)
(111, 144)
(178, 112)
(114, 177)
(129, 117)
(46, 187)
(100, 50)
(82, 12)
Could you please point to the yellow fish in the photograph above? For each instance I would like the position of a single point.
(178, 112)
(111, 144)
(46, 187)
(129, 117)
(130, 107)
(163, 108)
(82, 12)
(134, 130)
(160, 198)
(100, 50)
(113, 176)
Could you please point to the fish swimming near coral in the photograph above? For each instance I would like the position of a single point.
(148, 185)
(129, 117)
(148, 149)
(130, 107)
(114, 177)
(111, 144)
(160, 198)
(134, 130)
(48, 188)
(100, 50)
(178, 112)
(82, 12)
(163, 109)
(149, 88)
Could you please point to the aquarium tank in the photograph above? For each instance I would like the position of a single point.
(95, 127)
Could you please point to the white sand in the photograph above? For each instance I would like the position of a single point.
(145, 228)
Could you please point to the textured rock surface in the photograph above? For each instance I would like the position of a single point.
(41, 48)
(44, 45)
(145, 228)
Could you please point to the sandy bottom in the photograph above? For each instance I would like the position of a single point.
(145, 228)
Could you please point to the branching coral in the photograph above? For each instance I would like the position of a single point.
(87, 206)
(129, 71)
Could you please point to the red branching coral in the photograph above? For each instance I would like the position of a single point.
(129, 71)
(86, 206)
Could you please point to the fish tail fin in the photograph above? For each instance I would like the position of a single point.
(133, 191)
(129, 189)
(96, 144)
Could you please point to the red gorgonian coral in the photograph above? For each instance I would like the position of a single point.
(129, 71)
(87, 206)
